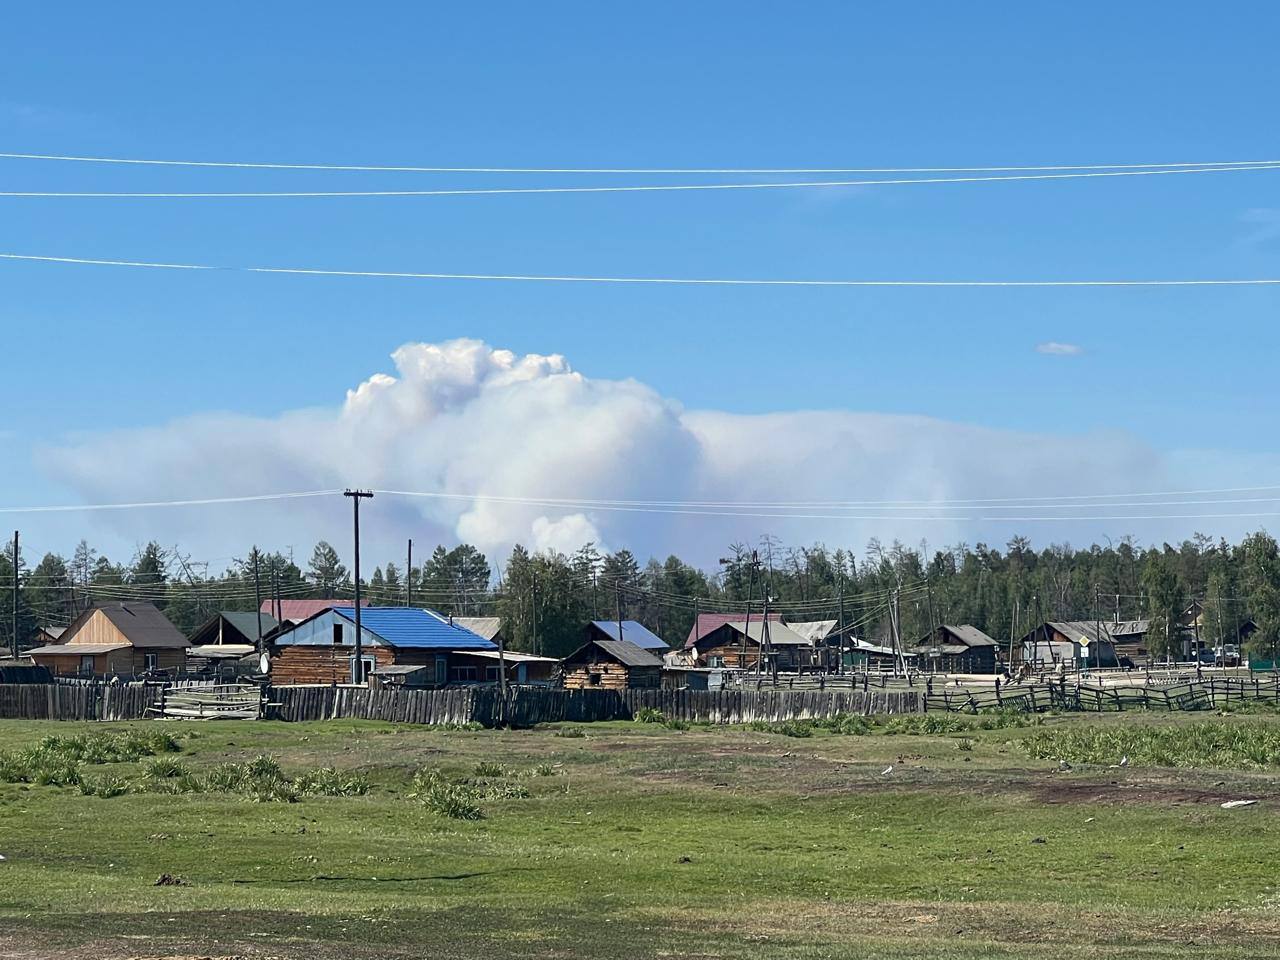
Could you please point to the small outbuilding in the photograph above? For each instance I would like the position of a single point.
(1069, 644)
(602, 664)
(116, 639)
(959, 648)
(229, 636)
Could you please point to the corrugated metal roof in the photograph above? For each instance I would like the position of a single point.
(141, 623)
(633, 631)
(813, 630)
(487, 627)
(707, 622)
(627, 653)
(511, 657)
(1081, 631)
(298, 610)
(76, 649)
(1127, 628)
(413, 628)
(243, 622)
(53, 633)
(780, 635)
(969, 635)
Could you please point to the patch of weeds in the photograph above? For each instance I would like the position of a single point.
(1002, 718)
(163, 768)
(457, 801)
(650, 715)
(845, 724)
(572, 733)
(541, 770)
(104, 786)
(926, 724)
(788, 728)
(964, 745)
(488, 769)
(675, 723)
(331, 782)
(469, 726)
(1211, 743)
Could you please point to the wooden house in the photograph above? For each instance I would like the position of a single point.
(959, 648)
(1129, 637)
(754, 645)
(321, 649)
(116, 639)
(707, 622)
(1070, 644)
(46, 635)
(226, 639)
(601, 664)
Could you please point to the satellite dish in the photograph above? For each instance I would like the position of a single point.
(264, 663)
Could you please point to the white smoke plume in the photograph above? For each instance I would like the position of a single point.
(464, 418)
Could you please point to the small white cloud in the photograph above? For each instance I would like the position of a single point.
(1055, 349)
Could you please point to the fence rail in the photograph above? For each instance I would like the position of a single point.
(1211, 693)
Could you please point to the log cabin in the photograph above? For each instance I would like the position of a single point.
(610, 665)
(120, 639)
(959, 648)
(1070, 644)
(321, 648)
(741, 646)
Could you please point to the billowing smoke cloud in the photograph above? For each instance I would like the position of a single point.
(465, 419)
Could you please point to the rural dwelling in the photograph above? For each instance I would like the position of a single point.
(610, 665)
(739, 645)
(47, 635)
(1069, 643)
(824, 641)
(707, 622)
(960, 648)
(116, 639)
(320, 649)
(228, 637)
(1129, 637)
(290, 612)
(632, 631)
(879, 655)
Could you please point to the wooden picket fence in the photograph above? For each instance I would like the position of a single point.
(526, 706)
(1208, 694)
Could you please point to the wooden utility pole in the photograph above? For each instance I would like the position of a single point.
(533, 609)
(408, 577)
(751, 589)
(257, 599)
(840, 629)
(13, 640)
(356, 496)
(275, 593)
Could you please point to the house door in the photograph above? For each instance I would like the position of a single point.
(442, 671)
(86, 665)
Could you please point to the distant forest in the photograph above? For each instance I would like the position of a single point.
(545, 598)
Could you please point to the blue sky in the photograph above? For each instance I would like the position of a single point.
(90, 350)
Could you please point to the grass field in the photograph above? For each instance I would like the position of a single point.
(640, 841)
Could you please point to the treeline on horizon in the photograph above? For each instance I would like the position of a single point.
(545, 598)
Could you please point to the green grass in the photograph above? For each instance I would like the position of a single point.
(639, 841)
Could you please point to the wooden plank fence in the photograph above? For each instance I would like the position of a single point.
(526, 706)
(57, 701)
(1208, 694)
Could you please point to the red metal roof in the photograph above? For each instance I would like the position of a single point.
(708, 622)
(299, 610)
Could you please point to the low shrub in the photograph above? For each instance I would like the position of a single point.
(331, 782)
(1208, 743)
(926, 724)
(457, 801)
(649, 715)
(487, 769)
(570, 732)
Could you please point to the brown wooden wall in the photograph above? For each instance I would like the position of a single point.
(321, 664)
(127, 661)
(613, 676)
(788, 658)
(97, 629)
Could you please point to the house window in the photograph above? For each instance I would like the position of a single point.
(151, 662)
(715, 661)
(366, 668)
(594, 679)
(465, 675)
(442, 671)
(493, 674)
(337, 634)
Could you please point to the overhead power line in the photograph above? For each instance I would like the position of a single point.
(677, 281)
(781, 509)
(645, 188)
(381, 168)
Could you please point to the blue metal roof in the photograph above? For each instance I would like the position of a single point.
(633, 631)
(409, 627)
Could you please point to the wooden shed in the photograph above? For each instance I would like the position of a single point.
(1069, 644)
(611, 665)
(116, 639)
(959, 648)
